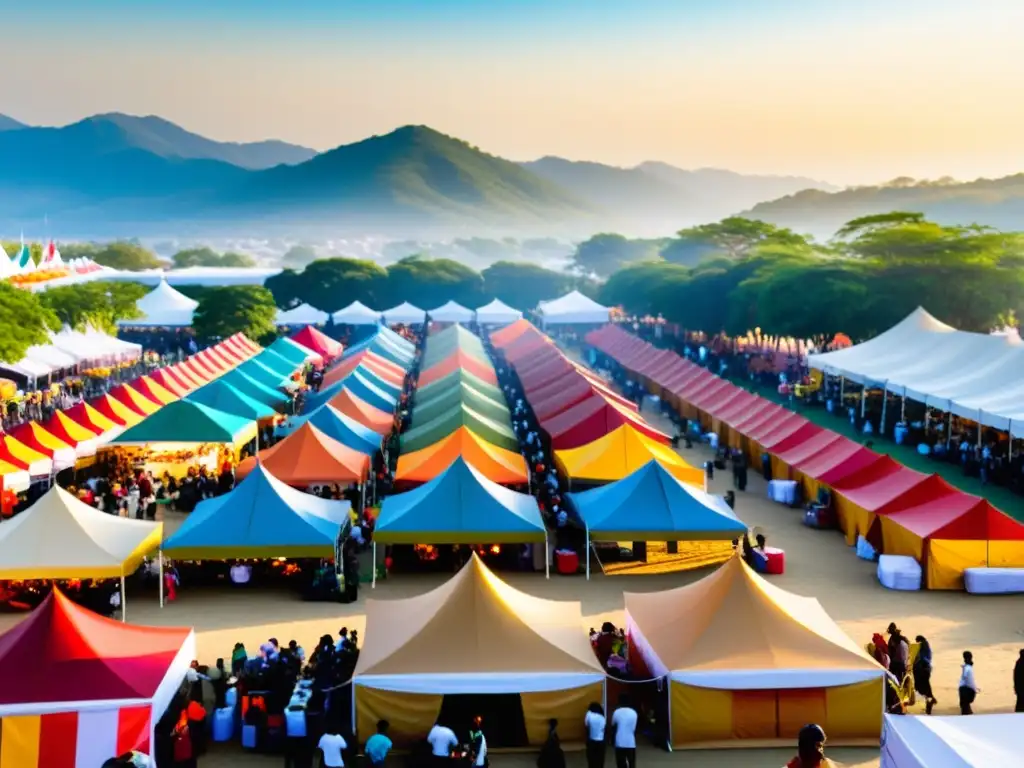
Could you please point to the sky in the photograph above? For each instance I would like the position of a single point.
(849, 91)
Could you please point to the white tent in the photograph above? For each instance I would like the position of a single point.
(952, 742)
(573, 308)
(976, 376)
(164, 307)
(451, 312)
(357, 313)
(94, 346)
(40, 361)
(405, 314)
(497, 313)
(304, 314)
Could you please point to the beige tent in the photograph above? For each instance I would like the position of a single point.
(60, 537)
(751, 662)
(475, 635)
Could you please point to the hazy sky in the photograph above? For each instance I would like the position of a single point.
(847, 90)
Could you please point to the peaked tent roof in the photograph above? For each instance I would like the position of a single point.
(135, 400)
(574, 307)
(293, 352)
(226, 398)
(163, 307)
(60, 537)
(253, 388)
(356, 313)
(459, 506)
(952, 742)
(460, 415)
(510, 333)
(383, 368)
(496, 464)
(451, 312)
(432, 407)
(304, 314)
(620, 453)
(497, 313)
(35, 436)
(115, 411)
(356, 408)
(309, 457)
(318, 342)
(149, 387)
(734, 630)
(268, 377)
(84, 415)
(404, 314)
(62, 652)
(592, 418)
(475, 625)
(341, 427)
(261, 517)
(364, 385)
(652, 504)
(456, 377)
(459, 359)
(187, 421)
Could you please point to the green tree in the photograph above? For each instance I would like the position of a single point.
(79, 250)
(207, 257)
(24, 321)
(524, 285)
(736, 237)
(224, 311)
(645, 288)
(330, 284)
(232, 259)
(602, 254)
(122, 254)
(99, 304)
(430, 283)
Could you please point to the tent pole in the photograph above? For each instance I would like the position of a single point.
(903, 407)
(547, 556)
(979, 428)
(160, 560)
(373, 583)
(863, 399)
(842, 387)
(587, 553)
(885, 402)
(124, 618)
(353, 707)
(949, 430)
(1009, 441)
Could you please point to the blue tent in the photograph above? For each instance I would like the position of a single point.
(263, 374)
(224, 397)
(360, 386)
(261, 517)
(388, 345)
(291, 351)
(249, 386)
(270, 359)
(342, 428)
(652, 505)
(460, 506)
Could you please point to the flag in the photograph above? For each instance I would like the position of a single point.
(24, 258)
(73, 739)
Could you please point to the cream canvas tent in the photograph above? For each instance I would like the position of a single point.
(405, 314)
(451, 312)
(497, 313)
(356, 313)
(749, 664)
(474, 635)
(163, 307)
(304, 314)
(573, 308)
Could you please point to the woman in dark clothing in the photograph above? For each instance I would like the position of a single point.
(1018, 681)
(923, 673)
(551, 754)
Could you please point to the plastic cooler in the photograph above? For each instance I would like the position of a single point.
(567, 563)
(776, 561)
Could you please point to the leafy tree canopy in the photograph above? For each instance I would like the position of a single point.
(123, 254)
(524, 285)
(432, 282)
(227, 310)
(99, 304)
(602, 254)
(207, 257)
(24, 321)
(737, 236)
(330, 284)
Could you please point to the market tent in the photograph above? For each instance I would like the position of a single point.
(15, 452)
(451, 312)
(355, 408)
(442, 402)
(268, 377)
(16, 477)
(836, 461)
(262, 517)
(151, 389)
(364, 385)
(462, 415)
(226, 398)
(620, 453)
(356, 313)
(344, 429)
(459, 506)
(274, 361)
(385, 369)
(474, 635)
(559, 395)
(497, 313)
(318, 342)
(293, 352)
(572, 308)
(193, 371)
(115, 411)
(86, 416)
(747, 660)
(505, 336)
(60, 537)
(36, 437)
(497, 464)
(186, 421)
(456, 377)
(383, 336)
(64, 428)
(128, 396)
(593, 418)
(79, 687)
(459, 360)
(405, 314)
(951, 742)
(865, 493)
(304, 314)
(250, 387)
(163, 307)
(309, 457)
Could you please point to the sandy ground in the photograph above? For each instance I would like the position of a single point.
(818, 564)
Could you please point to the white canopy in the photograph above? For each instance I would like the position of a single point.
(405, 314)
(451, 312)
(41, 360)
(977, 376)
(572, 308)
(164, 307)
(952, 742)
(94, 346)
(497, 313)
(357, 313)
(304, 314)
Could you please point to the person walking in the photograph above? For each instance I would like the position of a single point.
(594, 721)
(1018, 681)
(969, 689)
(923, 673)
(624, 722)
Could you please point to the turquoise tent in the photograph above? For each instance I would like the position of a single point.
(291, 351)
(360, 386)
(264, 375)
(270, 359)
(185, 421)
(342, 428)
(652, 505)
(224, 397)
(388, 345)
(460, 506)
(250, 387)
(261, 517)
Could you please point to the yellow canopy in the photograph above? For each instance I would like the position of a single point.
(620, 453)
(60, 537)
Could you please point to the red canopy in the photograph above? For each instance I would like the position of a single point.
(62, 652)
(961, 517)
(172, 381)
(879, 484)
(591, 419)
(553, 398)
(318, 342)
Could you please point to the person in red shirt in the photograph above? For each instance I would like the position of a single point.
(810, 749)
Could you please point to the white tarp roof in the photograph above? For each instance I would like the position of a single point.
(977, 376)
(357, 313)
(574, 307)
(164, 307)
(451, 312)
(193, 275)
(94, 346)
(304, 314)
(979, 741)
(406, 314)
(497, 313)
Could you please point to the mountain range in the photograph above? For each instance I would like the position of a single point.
(120, 175)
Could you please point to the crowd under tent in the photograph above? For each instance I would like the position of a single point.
(379, 421)
(80, 688)
(304, 314)
(572, 309)
(309, 457)
(226, 398)
(749, 664)
(951, 742)
(262, 517)
(451, 312)
(461, 415)
(497, 313)
(499, 465)
(356, 313)
(337, 425)
(651, 504)
(475, 636)
(620, 453)
(186, 421)
(404, 314)
(163, 307)
(319, 342)
(61, 537)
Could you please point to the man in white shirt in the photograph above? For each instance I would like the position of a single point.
(332, 745)
(442, 742)
(624, 727)
(594, 721)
